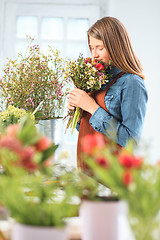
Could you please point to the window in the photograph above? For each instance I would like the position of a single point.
(62, 27)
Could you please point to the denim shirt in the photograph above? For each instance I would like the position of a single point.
(126, 102)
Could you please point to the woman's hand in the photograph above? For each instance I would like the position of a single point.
(79, 98)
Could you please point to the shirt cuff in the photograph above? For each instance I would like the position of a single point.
(98, 118)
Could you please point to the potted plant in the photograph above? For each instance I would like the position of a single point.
(35, 79)
(131, 178)
(99, 208)
(28, 184)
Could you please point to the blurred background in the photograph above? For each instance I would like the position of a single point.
(63, 24)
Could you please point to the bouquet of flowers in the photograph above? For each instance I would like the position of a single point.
(35, 78)
(130, 178)
(88, 75)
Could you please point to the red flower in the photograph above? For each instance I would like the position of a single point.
(43, 144)
(102, 161)
(137, 162)
(126, 160)
(27, 159)
(99, 66)
(129, 161)
(127, 178)
(92, 141)
(24, 154)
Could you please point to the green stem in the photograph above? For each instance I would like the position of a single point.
(143, 228)
(75, 119)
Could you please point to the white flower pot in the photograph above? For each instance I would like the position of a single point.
(25, 232)
(99, 220)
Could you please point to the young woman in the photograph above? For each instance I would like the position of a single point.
(119, 108)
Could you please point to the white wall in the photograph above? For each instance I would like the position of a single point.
(142, 19)
(1, 30)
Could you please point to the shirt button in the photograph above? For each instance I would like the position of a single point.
(96, 128)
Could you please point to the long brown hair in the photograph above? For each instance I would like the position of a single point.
(116, 40)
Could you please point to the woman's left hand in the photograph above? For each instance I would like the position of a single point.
(79, 98)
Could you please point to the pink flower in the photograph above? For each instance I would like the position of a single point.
(88, 60)
(11, 143)
(12, 130)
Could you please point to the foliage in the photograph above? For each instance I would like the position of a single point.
(21, 146)
(33, 202)
(88, 75)
(80, 185)
(12, 115)
(28, 183)
(35, 78)
(130, 177)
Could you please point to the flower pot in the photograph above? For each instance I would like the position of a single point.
(99, 220)
(47, 128)
(25, 232)
(51, 128)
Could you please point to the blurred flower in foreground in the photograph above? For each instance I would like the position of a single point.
(130, 178)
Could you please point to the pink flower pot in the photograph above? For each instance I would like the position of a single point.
(99, 220)
(25, 232)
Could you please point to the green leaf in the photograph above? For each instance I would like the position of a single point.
(28, 132)
(49, 152)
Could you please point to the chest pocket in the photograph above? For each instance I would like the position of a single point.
(108, 100)
(113, 104)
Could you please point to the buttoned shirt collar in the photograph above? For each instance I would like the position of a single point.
(113, 73)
